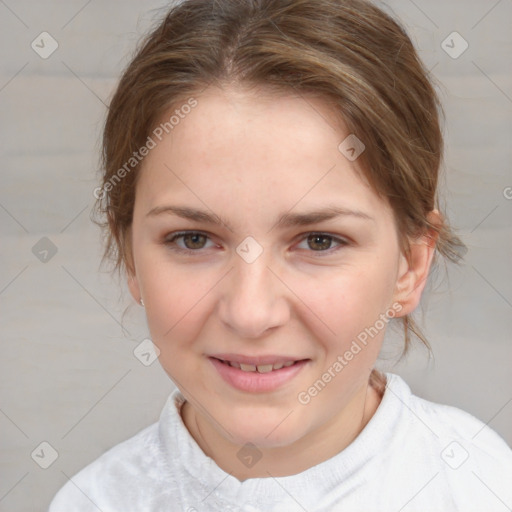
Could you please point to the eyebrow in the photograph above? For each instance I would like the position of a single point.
(285, 220)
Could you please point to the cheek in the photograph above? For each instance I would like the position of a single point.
(175, 301)
(348, 300)
(334, 304)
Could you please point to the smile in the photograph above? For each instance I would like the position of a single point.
(256, 376)
(260, 368)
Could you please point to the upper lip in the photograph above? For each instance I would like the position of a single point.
(256, 360)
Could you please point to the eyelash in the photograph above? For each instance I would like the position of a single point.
(170, 242)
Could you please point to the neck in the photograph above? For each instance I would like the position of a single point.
(312, 449)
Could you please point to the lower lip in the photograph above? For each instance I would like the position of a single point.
(256, 382)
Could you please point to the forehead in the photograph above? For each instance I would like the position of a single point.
(259, 147)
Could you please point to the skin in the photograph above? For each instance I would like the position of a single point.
(249, 158)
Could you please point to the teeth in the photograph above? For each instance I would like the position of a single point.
(262, 368)
(247, 367)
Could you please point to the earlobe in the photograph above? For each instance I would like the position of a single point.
(414, 268)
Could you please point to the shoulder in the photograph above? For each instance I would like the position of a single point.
(133, 475)
(469, 460)
(112, 474)
(449, 422)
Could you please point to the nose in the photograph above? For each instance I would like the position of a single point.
(254, 299)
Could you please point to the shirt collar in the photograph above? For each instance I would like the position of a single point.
(184, 456)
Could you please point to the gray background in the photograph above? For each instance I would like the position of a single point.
(68, 372)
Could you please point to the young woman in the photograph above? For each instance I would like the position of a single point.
(270, 191)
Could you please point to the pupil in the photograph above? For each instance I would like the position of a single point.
(325, 239)
(195, 243)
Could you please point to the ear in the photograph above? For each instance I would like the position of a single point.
(414, 268)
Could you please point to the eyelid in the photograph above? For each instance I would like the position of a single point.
(342, 241)
(171, 237)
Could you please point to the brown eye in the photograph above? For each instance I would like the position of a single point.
(322, 243)
(194, 241)
(190, 242)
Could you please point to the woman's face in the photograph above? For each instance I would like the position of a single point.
(282, 279)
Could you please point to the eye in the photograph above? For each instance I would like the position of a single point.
(322, 242)
(193, 241)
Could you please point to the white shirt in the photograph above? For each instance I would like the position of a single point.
(413, 455)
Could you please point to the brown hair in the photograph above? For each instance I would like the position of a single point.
(349, 52)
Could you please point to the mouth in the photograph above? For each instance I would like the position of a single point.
(258, 374)
(260, 368)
